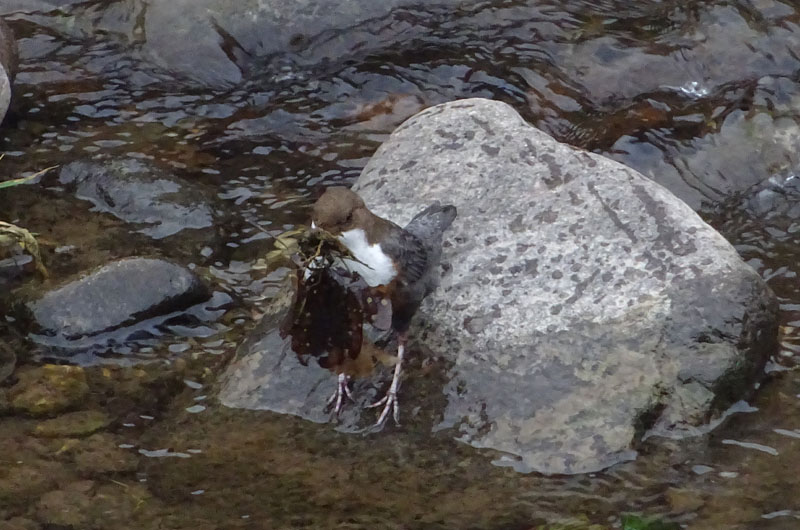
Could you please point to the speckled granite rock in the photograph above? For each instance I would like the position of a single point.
(585, 305)
(8, 65)
(582, 306)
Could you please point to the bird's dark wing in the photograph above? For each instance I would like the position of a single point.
(408, 252)
(429, 224)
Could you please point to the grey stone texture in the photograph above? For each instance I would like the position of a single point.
(584, 305)
(116, 295)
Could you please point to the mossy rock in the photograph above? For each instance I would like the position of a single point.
(74, 424)
(48, 389)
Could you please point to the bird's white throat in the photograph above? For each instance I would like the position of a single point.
(379, 269)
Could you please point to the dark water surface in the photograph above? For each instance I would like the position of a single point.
(701, 96)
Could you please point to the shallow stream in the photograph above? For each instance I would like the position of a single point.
(703, 97)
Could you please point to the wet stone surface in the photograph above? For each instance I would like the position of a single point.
(141, 194)
(268, 374)
(117, 302)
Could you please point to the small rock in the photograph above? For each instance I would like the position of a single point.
(81, 423)
(66, 507)
(48, 389)
(114, 296)
(9, 54)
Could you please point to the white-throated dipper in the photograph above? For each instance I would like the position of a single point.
(404, 262)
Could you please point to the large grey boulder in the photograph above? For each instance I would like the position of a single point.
(582, 306)
(585, 305)
(8, 65)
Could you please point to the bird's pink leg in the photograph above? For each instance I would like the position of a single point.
(342, 391)
(389, 401)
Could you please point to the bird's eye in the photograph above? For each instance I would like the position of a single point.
(348, 218)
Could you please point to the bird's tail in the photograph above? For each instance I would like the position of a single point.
(430, 223)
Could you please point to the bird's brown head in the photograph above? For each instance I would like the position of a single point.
(339, 210)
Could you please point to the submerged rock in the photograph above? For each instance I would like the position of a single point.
(742, 160)
(777, 196)
(81, 423)
(213, 41)
(8, 65)
(22, 485)
(218, 43)
(139, 193)
(115, 296)
(585, 304)
(66, 508)
(48, 389)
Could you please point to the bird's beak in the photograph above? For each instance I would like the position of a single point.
(313, 226)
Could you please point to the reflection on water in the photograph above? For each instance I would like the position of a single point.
(700, 96)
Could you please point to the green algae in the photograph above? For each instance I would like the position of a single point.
(48, 389)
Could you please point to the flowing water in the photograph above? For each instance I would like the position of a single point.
(703, 97)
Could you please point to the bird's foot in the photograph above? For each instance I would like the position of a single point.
(390, 404)
(342, 391)
(389, 401)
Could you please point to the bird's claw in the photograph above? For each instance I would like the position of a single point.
(389, 401)
(342, 391)
(390, 404)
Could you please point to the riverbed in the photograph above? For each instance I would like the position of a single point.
(701, 97)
